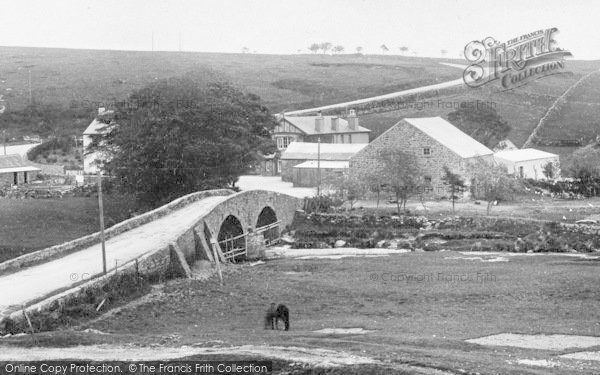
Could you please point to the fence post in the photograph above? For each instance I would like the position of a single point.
(214, 244)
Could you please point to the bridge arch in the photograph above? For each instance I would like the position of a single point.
(231, 235)
(267, 224)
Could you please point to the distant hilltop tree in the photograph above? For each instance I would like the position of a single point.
(338, 49)
(325, 47)
(359, 49)
(384, 48)
(403, 49)
(314, 48)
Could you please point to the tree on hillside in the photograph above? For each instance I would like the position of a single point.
(403, 49)
(455, 183)
(491, 183)
(338, 49)
(401, 174)
(481, 122)
(185, 134)
(314, 48)
(325, 47)
(384, 48)
(359, 49)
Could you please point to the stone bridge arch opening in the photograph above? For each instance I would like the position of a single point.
(232, 238)
(268, 224)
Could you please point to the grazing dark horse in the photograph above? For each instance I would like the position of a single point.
(274, 314)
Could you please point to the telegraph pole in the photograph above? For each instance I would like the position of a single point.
(319, 167)
(4, 140)
(101, 211)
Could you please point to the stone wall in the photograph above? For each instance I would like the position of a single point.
(407, 138)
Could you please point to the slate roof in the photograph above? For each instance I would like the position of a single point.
(324, 164)
(329, 151)
(525, 154)
(307, 125)
(15, 163)
(450, 136)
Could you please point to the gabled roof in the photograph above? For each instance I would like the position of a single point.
(524, 154)
(450, 136)
(307, 125)
(15, 163)
(329, 151)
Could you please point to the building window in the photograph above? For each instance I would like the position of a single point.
(349, 138)
(283, 142)
(426, 151)
(342, 136)
(521, 172)
(427, 188)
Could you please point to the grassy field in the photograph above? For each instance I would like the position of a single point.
(79, 81)
(27, 225)
(421, 323)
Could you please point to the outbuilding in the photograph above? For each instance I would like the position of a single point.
(529, 163)
(15, 170)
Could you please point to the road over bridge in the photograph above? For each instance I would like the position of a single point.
(152, 242)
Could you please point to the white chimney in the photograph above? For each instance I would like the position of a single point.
(353, 120)
(319, 120)
(334, 123)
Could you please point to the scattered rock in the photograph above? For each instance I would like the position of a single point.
(339, 243)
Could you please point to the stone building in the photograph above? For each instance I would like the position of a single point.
(434, 142)
(15, 170)
(327, 129)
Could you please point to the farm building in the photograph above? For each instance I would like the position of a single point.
(434, 142)
(92, 132)
(327, 129)
(15, 170)
(529, 163)
(309, 173)
(306, 156)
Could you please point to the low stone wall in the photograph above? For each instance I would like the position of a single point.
(43, 255)
(82, 300)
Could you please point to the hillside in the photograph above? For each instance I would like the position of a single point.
(68, 85)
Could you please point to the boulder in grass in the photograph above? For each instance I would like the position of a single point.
(339, 243)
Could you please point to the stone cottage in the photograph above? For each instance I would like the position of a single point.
(434, 142)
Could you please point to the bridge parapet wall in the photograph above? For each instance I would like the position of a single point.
(66, 248)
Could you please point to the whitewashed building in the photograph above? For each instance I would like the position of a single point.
(94, 130)
(528, 163)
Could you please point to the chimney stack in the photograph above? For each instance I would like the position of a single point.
(319, 121)
(334, 123)
(353, 120)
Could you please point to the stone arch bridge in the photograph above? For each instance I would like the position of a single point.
(165, 241)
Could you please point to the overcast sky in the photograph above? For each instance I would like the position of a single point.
(285, 26)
